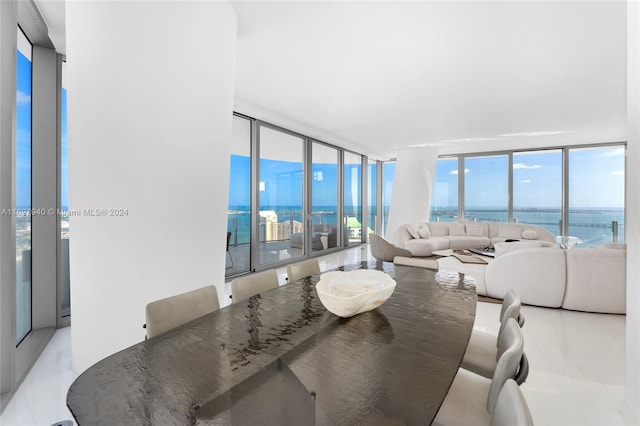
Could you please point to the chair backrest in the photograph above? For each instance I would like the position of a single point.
(165, 314)
(511, 407)
(383, 250)
(510, 308)
(299, 270)
(250, 285)
(513, 347)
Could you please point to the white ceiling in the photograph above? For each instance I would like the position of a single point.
(474, 76)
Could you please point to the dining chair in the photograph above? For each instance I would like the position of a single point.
(472, 398)
(250, 285)
(164, 314)
(296, 271)
(511, 407)
(483, 350)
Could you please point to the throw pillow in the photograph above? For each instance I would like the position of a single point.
(457, 229)
(529, 234)
(474, 230)
(414, 229)
(424, 232)
(506, 230)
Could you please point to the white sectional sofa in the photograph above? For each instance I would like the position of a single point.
(588, 279)
(422, 239)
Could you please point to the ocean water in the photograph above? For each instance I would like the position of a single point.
(592, 226)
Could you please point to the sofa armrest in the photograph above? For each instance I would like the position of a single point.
(537, 274)
(401, 236)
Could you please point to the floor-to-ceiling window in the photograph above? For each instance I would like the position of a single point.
(238, 241)
(537, 189)
(23, 189)
(596, 194)
(64, 202)
(486, 188)
(324, 197)
(582, 186)
(291, 196)
(281, 183)
(444, 202)
(388, 172)
(352, 190)
(372, 196)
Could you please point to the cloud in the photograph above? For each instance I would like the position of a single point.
(22, 98)
(525, 181)
(517, 166)
(455, 172)
(618, 173)
(613, 152)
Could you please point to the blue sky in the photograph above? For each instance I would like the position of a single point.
(281, 183)
(23, 132)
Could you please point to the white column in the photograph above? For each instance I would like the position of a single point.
(632, 216)
(150, 101)
(412, 188)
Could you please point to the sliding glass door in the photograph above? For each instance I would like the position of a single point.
(238, 242)
(324, 197)
(281, 231)
(352, 189)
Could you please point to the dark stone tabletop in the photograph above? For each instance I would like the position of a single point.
(281, 358)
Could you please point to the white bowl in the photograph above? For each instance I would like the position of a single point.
(350, 293)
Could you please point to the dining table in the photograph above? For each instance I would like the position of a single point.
(281, 358)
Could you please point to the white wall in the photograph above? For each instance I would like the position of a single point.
(632, 219)
(412, 188)
(150, 88)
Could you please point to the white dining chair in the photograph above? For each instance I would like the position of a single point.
(471, 399)
(164, 314)
(250, 285)
(484, 350)
(296, 271)
(511, 407)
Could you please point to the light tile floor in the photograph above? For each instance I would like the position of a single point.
(576, 377)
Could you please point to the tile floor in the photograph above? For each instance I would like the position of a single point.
(576, 377)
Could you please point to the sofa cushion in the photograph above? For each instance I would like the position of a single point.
(529, 234)
(439, 229)
(426, 247)
(467, 241)
(507, 230)
(424, 232)
(457, 229)
(503, 247)
(474, 230)
(414, 229)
